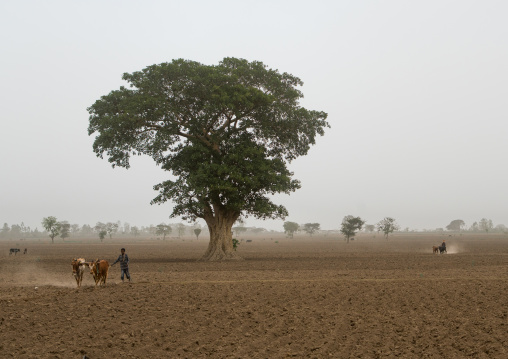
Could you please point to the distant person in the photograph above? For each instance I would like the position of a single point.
(442, 247)
(124, 264)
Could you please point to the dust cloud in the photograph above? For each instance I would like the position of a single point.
(32, 275)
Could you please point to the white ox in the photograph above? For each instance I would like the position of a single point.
(78, 268)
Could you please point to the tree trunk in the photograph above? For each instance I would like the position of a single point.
(220, 223)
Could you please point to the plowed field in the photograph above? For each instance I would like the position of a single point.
(304, 298)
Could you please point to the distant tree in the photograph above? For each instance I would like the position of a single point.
(74, 228)
(350, 225)
(456, 225)
(102, 234)
(24, 230)
(126, 228)
(16, 231)
(111, 228)
(65, 230)
(501, 228)
(290, 228)
(474, 227)
(239, 230)
(370, 228)
(5, 230)
(257, 230)
(99, 226)
(86, 230)
(486, 225)
(311, 228)
(163, 230)
(197, 232)
(135, 231)
(100, 229)
(52, 226)
(387, 226)
(152, 230)
(181, 229)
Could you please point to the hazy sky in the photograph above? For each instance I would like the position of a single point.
(416, 93)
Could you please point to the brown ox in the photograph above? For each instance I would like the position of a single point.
(435, 249)
(99, 269)
(78, 268)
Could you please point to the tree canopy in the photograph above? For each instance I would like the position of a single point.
(456, 225)
(350, 225)
(311, 228)
(225, 132)
(387, 225)
(163, 229)
(290, 228)
(52, 226)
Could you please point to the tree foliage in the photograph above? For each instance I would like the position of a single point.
(387, 225)
(111, 228)
(238, 230)
(65, 230)
(370, 228)
(486, 225)
(290, 228)
(224, 131)
(311, 228)
(52, 226)
(101, 230)
(350, 225)
(163, 230)
(456, 225)
(135, 231)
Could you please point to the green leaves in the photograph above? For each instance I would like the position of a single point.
(224, 131)
(350, 225)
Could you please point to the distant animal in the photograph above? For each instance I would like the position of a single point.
(442, 249)
(14, 250)
(248, 240)
(78, 268)
(25, 251)
(99, 270)
(435, 249)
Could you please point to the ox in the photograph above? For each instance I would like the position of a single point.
(99, 270)
(435, 249)
(14, 250)
(78, 268)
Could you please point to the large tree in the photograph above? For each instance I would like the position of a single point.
(224, 131)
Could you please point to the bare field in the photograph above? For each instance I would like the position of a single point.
(304, 298)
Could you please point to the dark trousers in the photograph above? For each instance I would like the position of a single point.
(126, 272)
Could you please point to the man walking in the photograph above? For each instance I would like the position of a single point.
(124, 264)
